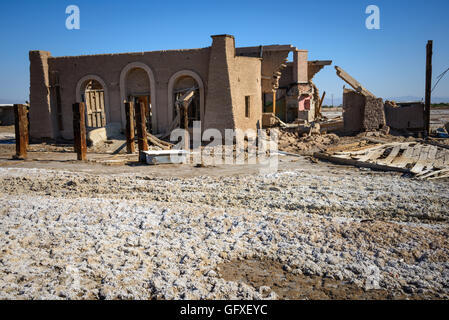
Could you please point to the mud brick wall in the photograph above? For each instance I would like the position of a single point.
(353, 108)
(405, 117)
(373, 114)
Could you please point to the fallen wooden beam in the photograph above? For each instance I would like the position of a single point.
(361, 164)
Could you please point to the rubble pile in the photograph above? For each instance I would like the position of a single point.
(293, 143)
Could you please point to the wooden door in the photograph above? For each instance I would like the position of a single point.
(95, 108)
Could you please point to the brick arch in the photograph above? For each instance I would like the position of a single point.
(105, 88)
(171, 84)
(123, 74)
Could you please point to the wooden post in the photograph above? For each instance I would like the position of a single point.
(274, 102)
(21, 128)
(318, 112)
(141, 130)
(429, 53)
(186, 126)
(129, 109)
(79, 131)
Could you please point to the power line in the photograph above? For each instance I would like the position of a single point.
(441, 76)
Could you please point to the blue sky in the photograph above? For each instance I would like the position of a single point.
(390, 62)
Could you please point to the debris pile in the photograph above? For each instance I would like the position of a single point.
(293, 143)
(423, 160)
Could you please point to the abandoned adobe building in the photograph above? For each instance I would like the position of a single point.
(232, 87)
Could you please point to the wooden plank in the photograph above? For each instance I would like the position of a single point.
(103, 110)
(446, 159)
(433, 173)
(403, 160)
(394, 152)
(439, 159)
(441, 176)
(129, 110)
(21, 130)
(373, 155)
(79, 131)
(431, 157)
(355, 153)
(89, 108)
(422, 160)
(357, 163)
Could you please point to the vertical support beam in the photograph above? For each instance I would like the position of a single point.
(21, 127)
(141, 130)
(79, 131)
(429, 52)
(318, 112)
(274, 102)
(129, 109)
(186, 126)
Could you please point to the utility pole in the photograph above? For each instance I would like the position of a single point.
(429, 52)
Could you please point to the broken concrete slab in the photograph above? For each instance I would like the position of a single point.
(352, 82)
(110, 131)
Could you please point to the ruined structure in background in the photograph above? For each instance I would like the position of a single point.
(231, 87)
(362, 111)
(405, 115)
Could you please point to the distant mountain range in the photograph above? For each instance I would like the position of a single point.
(339, 101)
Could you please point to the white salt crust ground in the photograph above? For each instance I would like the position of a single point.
(86, 236)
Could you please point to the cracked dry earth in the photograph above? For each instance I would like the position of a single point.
(311, 231)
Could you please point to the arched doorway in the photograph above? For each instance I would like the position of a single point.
(180, 84)
(137, 85)
(93, 92)
(183, 85)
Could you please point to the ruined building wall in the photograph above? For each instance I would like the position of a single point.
(247, 82)
(224, 78)
(41, 113)
(219, 99)
(373, 114)
(162, 64)
(353, 105)
(362, 113)
(231, 78)
(405, 117)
